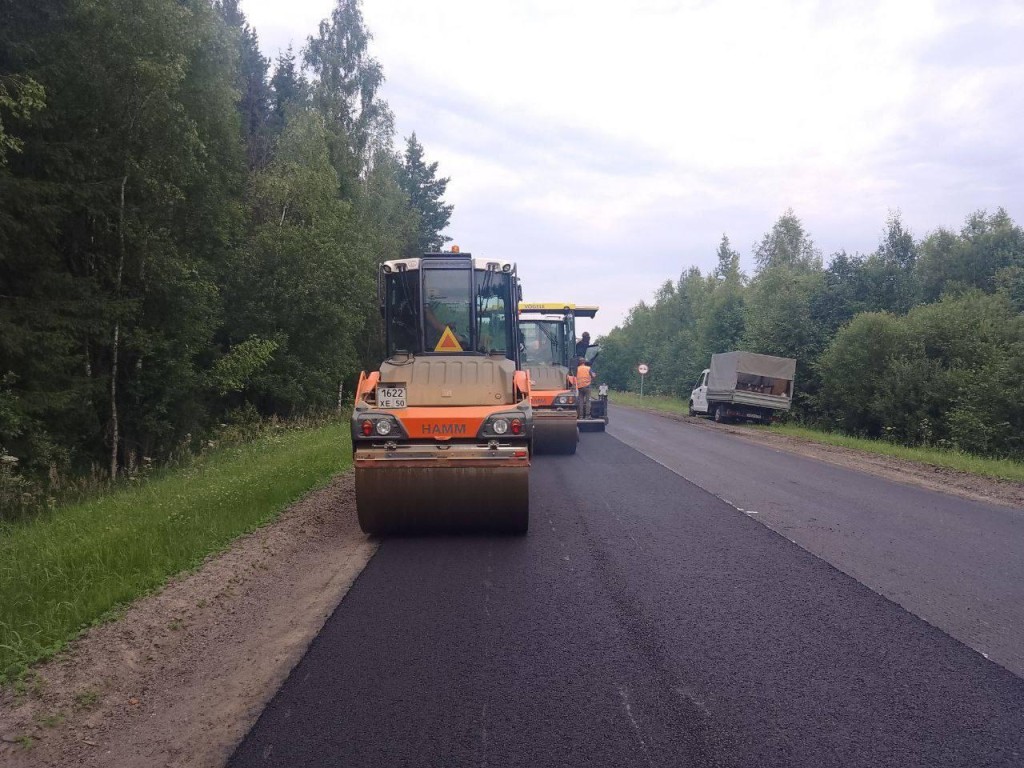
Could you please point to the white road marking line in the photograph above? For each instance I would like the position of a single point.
(693, 699)
(624, 695)
(483, 738)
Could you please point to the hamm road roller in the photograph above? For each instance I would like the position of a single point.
(442, 432)
(548, 337)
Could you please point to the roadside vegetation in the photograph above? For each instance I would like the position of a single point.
(662, 403)
(64, 570)
(187, 230)
(919, 343)
(1000, 469)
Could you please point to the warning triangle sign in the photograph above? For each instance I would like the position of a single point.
(448, 342)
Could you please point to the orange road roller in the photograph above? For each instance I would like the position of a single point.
(548, 336)
(442, 433)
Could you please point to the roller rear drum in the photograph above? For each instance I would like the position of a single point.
(422, 499)
(550, 436)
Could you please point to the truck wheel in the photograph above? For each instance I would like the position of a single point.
(692, 412)
(719, 414)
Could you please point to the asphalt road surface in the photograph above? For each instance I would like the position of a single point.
(642, 622)
(957, 564)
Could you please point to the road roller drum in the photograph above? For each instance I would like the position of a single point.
(443, 500)
(555, 435)
(442, 431)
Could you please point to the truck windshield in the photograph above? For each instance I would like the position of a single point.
(446, 306)
(544, 342)
(449, 311)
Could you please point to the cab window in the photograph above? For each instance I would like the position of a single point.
(446, 305)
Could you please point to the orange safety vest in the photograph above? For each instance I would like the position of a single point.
(583, 376)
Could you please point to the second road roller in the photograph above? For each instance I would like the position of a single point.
(548, 336)
(442, 432)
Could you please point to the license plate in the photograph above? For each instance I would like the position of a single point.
(389, 396)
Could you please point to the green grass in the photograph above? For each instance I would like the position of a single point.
(650, 402)
(76, 566)
(1001, 469)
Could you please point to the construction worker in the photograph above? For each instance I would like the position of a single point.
(583, 345)
(583, 379)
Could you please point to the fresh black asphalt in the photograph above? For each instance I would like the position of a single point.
(956, 563)
(642, 622)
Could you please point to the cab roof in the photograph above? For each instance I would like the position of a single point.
(402, 265)
(557, 308)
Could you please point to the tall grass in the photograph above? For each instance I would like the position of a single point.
(65, 570)
(1000, 469)
(663, 403)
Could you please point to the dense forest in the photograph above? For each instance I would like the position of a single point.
(189, 233)
(919, 342)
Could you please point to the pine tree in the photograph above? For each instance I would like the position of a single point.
(251, 80)
(425, 192)
(288, 88)
(721, 325)
(728, 267)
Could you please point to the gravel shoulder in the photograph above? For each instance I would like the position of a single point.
(179, 679)
(943, 479)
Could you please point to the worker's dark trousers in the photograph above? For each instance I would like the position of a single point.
(583, 404)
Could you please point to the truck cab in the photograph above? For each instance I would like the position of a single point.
(699, 395)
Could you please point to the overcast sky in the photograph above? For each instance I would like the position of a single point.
(607, 146)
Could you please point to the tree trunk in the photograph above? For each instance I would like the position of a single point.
(115, 432)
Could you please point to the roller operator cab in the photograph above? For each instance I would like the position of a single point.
(548, 339)
(442, 432)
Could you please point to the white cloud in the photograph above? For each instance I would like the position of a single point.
(606, 146)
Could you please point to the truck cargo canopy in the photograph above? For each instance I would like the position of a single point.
(726, 367)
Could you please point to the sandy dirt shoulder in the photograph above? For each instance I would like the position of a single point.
(963, 484)
(179, 679)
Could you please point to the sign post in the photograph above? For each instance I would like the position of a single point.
(642, 369)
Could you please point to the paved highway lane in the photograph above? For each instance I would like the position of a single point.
(956, 563)
(642, 622)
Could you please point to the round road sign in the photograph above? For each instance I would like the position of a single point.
(643, 369)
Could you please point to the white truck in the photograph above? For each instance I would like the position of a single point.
(744, 385)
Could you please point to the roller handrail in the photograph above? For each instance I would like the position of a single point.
(521, 379)
(367, 383)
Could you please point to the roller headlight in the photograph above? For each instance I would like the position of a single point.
(374, 426)
(501, 426)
